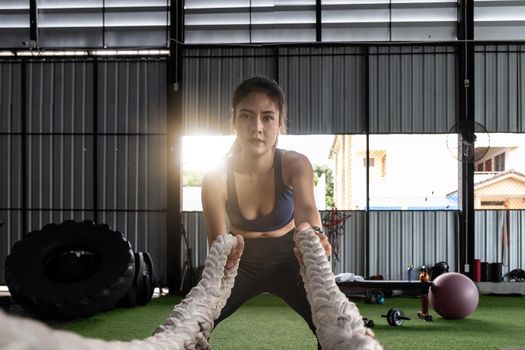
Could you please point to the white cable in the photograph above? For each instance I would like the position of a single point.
(338, 323)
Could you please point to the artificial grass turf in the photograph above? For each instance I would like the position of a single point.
(125, 324)
(265, 322)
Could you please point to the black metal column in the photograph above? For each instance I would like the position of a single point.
(95, 142)
(25, 155)
(466, 114)
(33, 26)
(367, 130)
(33, 44)
(174, 142)
(318, 21)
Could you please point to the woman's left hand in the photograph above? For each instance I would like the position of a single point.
(322, 238)
(325, 243)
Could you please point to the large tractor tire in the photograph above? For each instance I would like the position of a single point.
(144, 282)
(71, 270)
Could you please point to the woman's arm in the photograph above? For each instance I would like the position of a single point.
(214, 209)
(213, 199)
(302, 182)
(305, 210)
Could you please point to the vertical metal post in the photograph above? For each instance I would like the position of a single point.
(33, 44)
(466, 114)
(250, 22)
(318, 21)
(95, 141)
(104, 24)
(367, 130)
(24, 116)
(276, 67)
(390, 20)
(33, 26)
(174, 142)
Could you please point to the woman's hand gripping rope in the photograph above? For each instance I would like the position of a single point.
(235, 255)
(322, 238)
(338, 323)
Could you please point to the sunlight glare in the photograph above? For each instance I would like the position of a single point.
(205, 153)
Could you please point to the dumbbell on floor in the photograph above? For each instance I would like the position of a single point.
(396, 317)
(368, 323)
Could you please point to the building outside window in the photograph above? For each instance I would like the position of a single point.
(499, 162)
(499, 180)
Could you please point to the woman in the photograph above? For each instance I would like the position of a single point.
(265, 192)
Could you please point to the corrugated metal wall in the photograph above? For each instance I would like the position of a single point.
(325, 88)
(132, 158)
(489, 238)
(10, 160)
(352, 243)
(197, 238)
(61, 134)
(59, 148)
(210, 75)
(400, 237)
(498, 85)
(396, 238)
(412, 89)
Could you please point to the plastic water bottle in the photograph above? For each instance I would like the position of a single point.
(410, 272)
(424, 277)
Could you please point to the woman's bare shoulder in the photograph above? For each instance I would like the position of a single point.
(293, 160)
(294, 166)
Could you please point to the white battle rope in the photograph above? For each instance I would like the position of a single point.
(188, 327)
(338, 323)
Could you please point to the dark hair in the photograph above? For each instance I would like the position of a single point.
(265, 85)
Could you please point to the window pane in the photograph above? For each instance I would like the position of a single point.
(103, 24)
(202, 154)
(412, 172)
(406, 172)
(249, 21)
(499, 20)
(499, 179)
(383, 20)
(349, 155)
(14, 23)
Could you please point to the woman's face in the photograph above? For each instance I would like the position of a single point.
(257, 123)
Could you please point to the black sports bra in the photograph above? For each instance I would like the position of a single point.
(283, 208)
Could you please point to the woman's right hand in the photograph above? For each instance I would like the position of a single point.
(236, 252)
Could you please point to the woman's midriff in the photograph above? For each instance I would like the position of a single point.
(270, 234)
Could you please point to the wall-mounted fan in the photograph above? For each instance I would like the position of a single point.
(468, 141)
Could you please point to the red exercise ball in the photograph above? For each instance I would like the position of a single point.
(453, 295)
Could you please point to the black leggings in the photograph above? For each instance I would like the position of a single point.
(269, 265)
